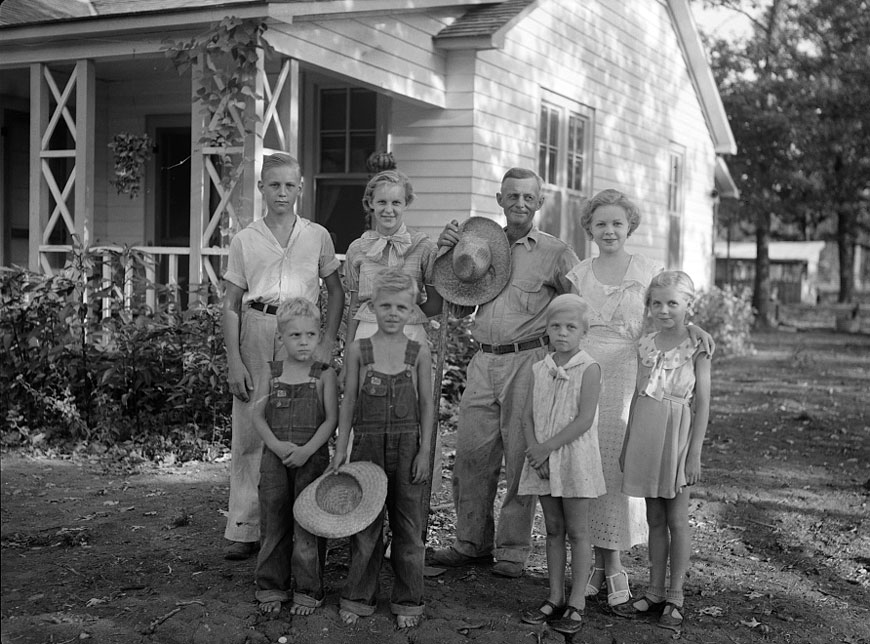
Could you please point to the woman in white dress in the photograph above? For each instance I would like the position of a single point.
(613, 285)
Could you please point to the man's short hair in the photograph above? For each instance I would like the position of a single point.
(522, 173)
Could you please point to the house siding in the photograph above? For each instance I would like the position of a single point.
(393, 54)
(624, 61)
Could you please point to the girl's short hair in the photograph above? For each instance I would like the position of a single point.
(610, 197)
(296, 307)
(387, 176)
(571, 303)
(279, 160)
(394, 280)
(672, 279)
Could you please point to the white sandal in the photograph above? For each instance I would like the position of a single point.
(591, 589)
(617, 596)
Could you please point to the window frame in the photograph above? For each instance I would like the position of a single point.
(675, 199)
(314, 84)
(568, 111)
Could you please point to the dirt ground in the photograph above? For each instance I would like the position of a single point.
(94, 552)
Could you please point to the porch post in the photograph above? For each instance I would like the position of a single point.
(251, 199)
(197, 197)
(85, 146)
(289, 104)
(38, 188)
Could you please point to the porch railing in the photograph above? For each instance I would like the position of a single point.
(128, 274)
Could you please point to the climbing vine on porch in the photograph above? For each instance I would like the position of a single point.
(224, 62)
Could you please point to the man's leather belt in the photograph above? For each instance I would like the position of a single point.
(516, 347)
(269, 309)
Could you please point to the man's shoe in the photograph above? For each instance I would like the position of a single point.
(512, 569)
(241, 550)
(450, 558)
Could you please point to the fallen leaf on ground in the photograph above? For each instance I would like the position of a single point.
(752, 623)
(713, 611)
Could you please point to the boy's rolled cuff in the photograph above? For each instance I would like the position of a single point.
(406, 610)
(272, 595)
(308, 601)
(514, 555)
(357, 608)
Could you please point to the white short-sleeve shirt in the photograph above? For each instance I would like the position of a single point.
(271, 274)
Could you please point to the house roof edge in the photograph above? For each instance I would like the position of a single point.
(702, 77)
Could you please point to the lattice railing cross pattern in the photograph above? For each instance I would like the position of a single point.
(61, 210)
(61, 109)
(271, 115)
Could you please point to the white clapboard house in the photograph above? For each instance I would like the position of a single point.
(590, 93)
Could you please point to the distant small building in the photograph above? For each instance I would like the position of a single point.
(794, 268)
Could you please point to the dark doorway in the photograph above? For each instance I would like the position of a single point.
(16, 188)
(172, 200)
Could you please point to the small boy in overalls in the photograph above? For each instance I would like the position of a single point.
(388, 401)
(295, 422)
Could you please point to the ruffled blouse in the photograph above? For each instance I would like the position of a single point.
(616, 309)
(671, 372)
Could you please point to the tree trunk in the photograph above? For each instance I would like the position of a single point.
(847, 224)
(761, 295)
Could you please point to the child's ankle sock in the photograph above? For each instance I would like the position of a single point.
(675, 597)
(655, 594)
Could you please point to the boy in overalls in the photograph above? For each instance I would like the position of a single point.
(388, 392)
(295, 422)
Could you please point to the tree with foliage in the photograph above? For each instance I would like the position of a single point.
(834, 61)
(798, 97)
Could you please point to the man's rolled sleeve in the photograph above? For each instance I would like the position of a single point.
(567, 260)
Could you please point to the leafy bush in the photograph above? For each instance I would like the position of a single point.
(727, 315)
(459, 350)
(142, 378)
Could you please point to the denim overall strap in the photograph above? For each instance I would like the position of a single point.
(412, 350)
(317, 369)
(276, 367)
(367, 351)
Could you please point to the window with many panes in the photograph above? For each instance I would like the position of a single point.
(346, 133)
(564, 155)
(348, 119)
(676, 165)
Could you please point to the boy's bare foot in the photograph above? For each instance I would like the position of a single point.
(408, 621)
(299, 609)
(270, 608)
(347, 617)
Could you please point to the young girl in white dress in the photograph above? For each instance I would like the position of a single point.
(563, 462)
(661, 454)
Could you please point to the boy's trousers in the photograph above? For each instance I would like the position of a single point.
(286, 546)
(259, 345)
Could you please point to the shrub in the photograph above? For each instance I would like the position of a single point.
(149, 380)
(727, 315)
(460, 348)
